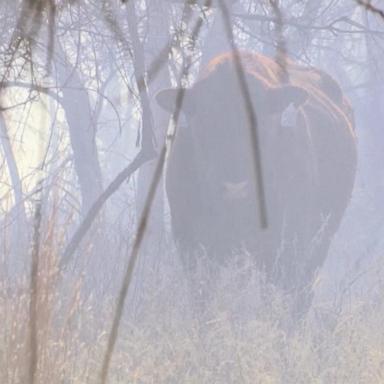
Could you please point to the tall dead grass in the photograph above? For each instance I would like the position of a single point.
(246, 339)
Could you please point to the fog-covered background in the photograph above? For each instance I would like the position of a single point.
(81, 137)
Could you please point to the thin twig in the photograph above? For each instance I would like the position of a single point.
(33, 334)
(130, 268)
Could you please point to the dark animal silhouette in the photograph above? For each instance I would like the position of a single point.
(308, 154)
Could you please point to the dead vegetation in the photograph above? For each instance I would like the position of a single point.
(55, 330)
(248, 339)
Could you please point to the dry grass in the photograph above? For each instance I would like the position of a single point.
(247, 339)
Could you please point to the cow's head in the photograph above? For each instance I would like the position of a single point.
(217, 118)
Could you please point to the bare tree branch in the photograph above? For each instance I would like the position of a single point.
(79, 234)
(331, 26)
(281, 49)
(367, 4)
(143, 221)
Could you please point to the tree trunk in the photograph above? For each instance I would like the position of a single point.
(82, 132)
(158, 36)
(17, 216)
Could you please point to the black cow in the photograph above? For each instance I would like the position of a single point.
(308, 154)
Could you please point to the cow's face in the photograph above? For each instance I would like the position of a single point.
(219, 131)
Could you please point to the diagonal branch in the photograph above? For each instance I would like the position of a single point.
(69, 251)
(143, 220)
(367, 4)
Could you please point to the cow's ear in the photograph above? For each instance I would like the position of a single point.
(280, 98)
(168, 98)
